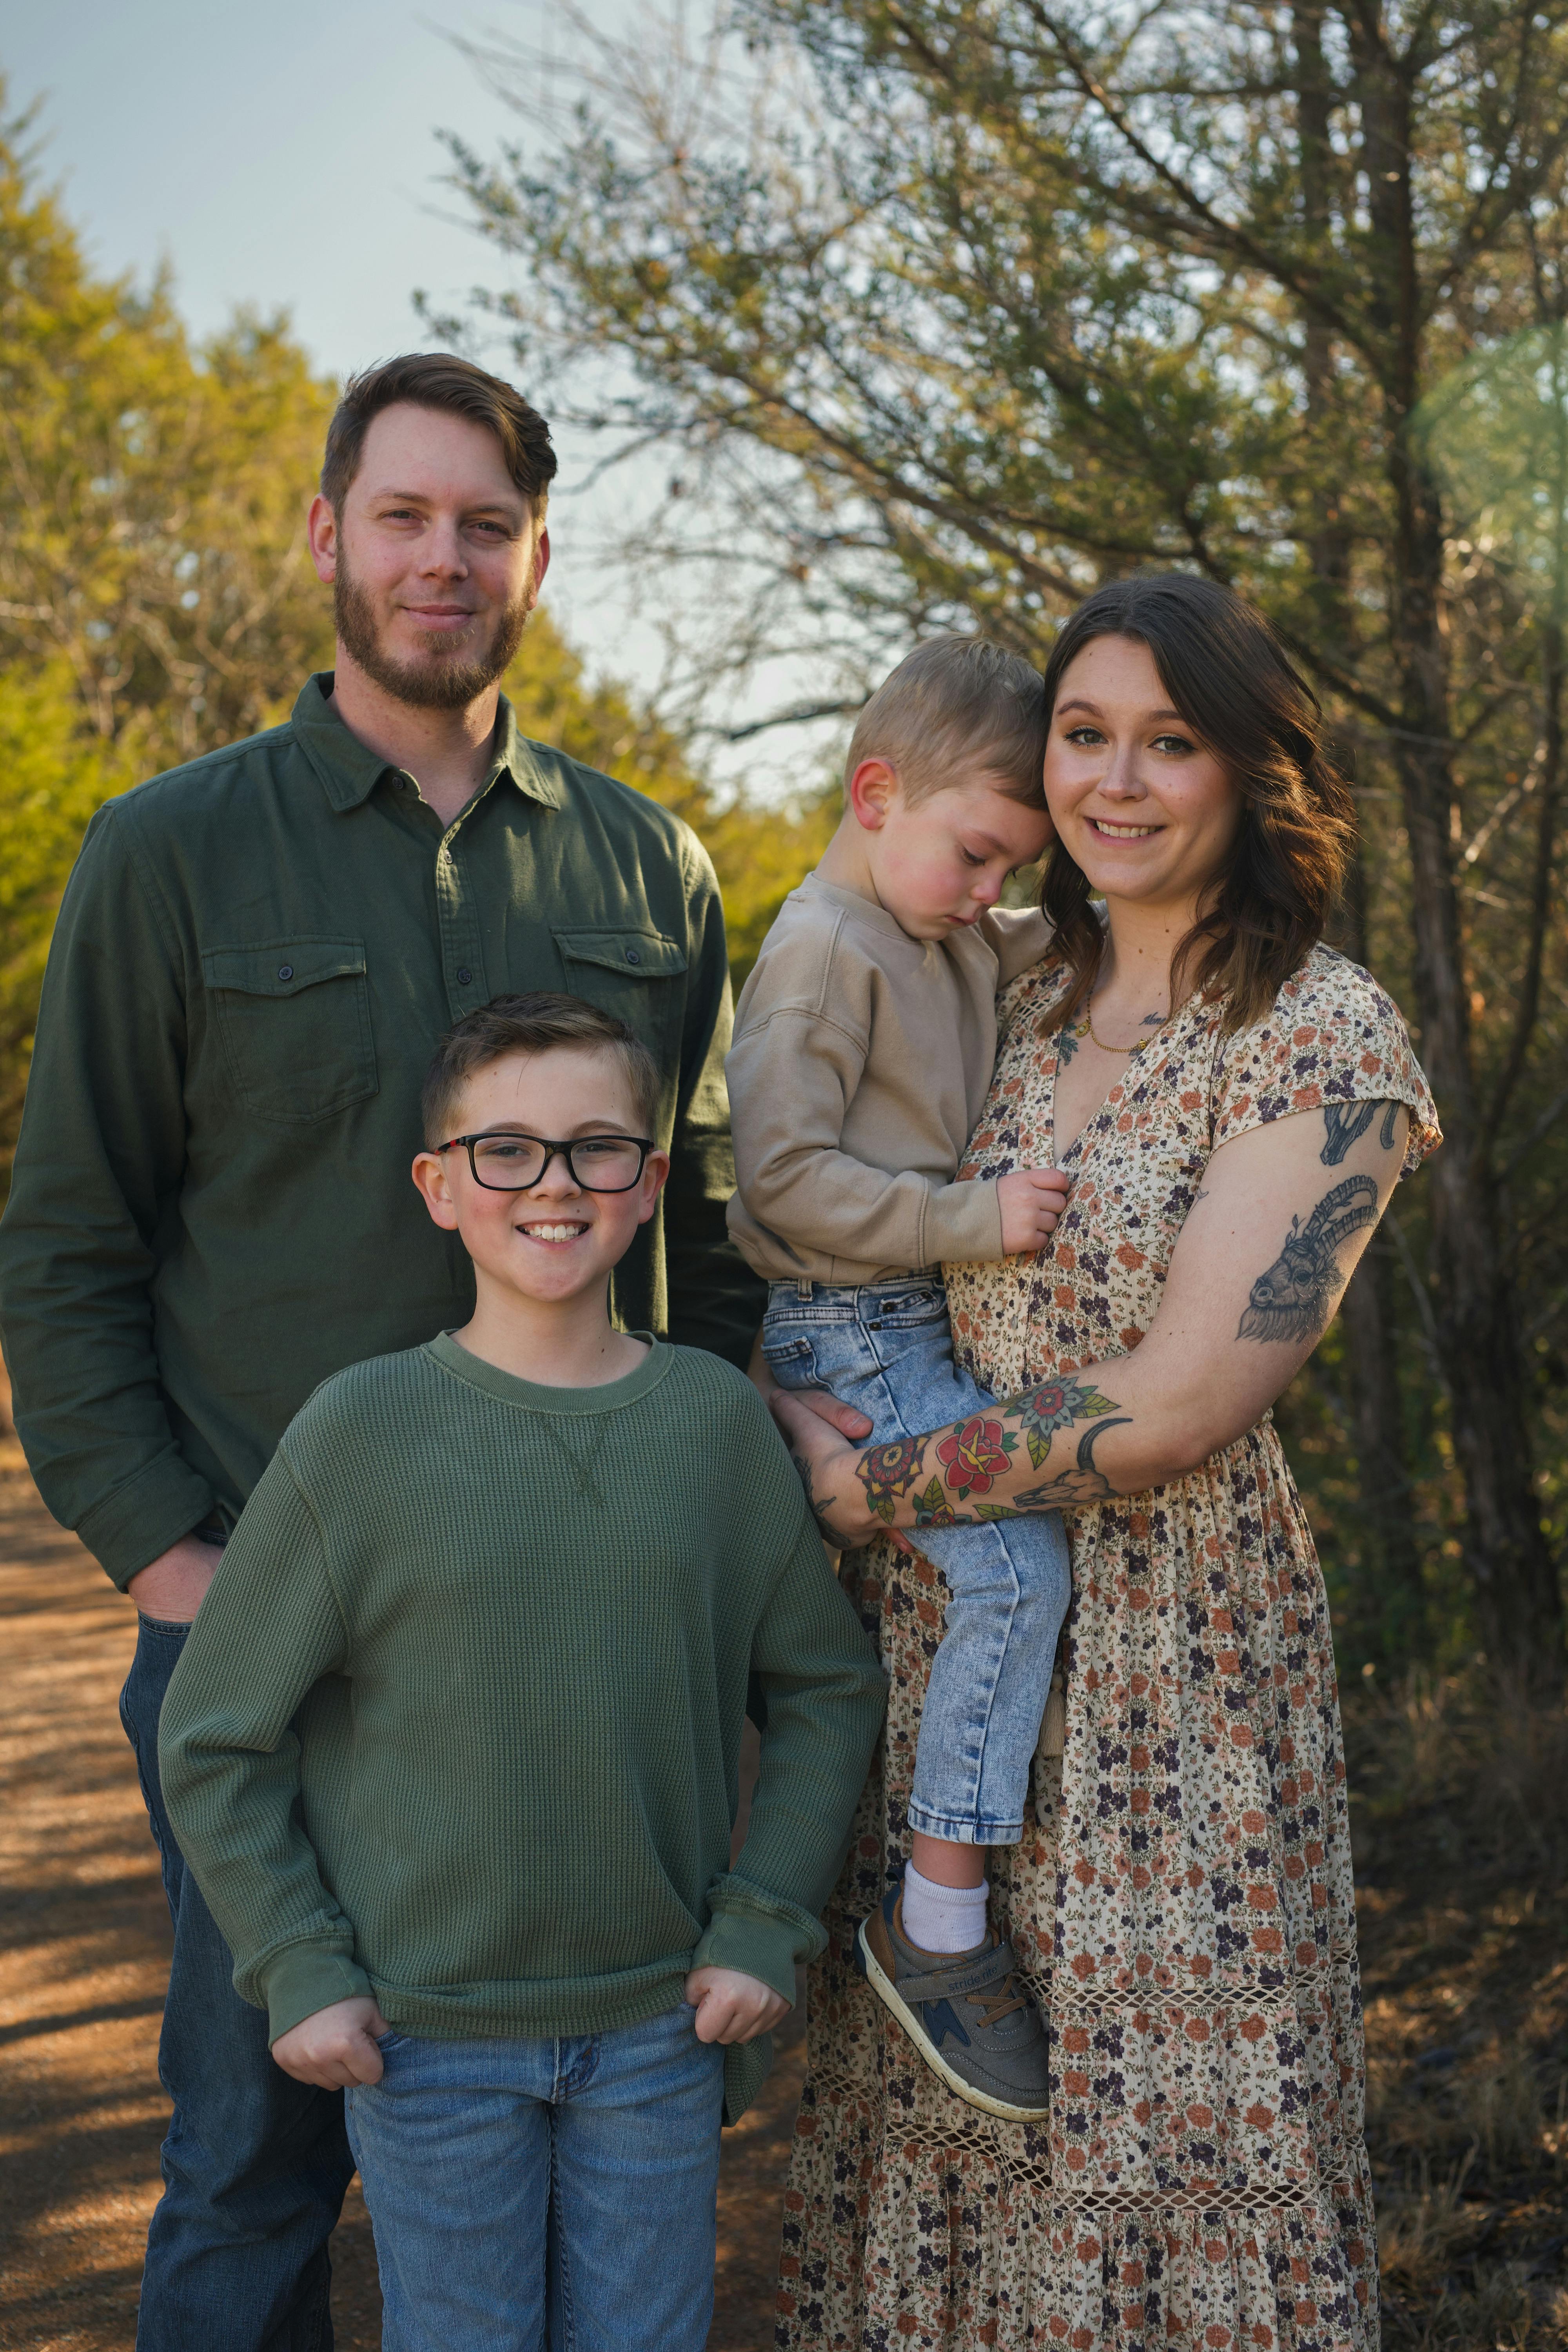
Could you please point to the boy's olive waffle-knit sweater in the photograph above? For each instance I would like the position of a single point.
(459, 1719)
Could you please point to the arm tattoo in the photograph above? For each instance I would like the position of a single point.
(946, 1474)
(1294, 1299)
(1084, 1484)
(820, 1504)
(1345, 1123)
(1056, 1404)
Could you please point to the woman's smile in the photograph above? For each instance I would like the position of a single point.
(1115, 829)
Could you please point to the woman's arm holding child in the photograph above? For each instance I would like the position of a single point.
(1255, 1275)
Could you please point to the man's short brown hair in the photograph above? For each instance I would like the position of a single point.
(535, 1023)
(439, 379)
(955, 709)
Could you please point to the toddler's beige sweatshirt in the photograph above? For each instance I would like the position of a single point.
(860, 1065)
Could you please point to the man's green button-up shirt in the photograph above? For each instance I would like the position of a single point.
(211, 1208)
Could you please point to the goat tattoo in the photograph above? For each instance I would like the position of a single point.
(1291, 1300)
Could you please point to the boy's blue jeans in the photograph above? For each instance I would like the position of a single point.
(886, 1348)
(255, 2165)
(465, 2147)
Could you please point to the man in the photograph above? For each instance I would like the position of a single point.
(254, 960)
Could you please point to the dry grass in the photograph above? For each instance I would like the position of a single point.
(1460, 1811)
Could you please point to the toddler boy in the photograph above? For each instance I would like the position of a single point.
(452, 1748)
(865, 1040)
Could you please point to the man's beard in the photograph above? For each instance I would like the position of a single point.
(444, 678)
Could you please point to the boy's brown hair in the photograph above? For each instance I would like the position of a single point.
(955, 709)
(535, 1023)
(442, 381)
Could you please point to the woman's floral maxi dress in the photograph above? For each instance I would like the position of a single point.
(1182, 1899)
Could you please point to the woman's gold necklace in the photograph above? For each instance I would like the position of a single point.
(1087, 1030)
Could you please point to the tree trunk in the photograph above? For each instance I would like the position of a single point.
(1392, 1611)
(1518, 1601)
(1519, 1604)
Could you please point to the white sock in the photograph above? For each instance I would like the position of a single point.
(943, 1918)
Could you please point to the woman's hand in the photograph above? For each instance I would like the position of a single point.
(732, 2006)
(827, 1469)
(821, 1401)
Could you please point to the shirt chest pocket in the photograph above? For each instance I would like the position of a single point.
(637, 976)
(294, 1019)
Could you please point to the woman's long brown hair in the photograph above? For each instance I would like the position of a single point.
(1228, 673)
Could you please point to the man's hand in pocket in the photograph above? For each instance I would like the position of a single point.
(174, 1586)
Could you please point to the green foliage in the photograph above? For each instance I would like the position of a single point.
(53, 774)
(153, 495)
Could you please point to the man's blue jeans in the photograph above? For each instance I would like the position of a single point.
(886, 1348)
(255, 2165)
(466, 2148)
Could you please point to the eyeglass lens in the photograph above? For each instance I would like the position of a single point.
(599, 1164)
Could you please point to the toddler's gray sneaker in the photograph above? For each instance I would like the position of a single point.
(968, 2013)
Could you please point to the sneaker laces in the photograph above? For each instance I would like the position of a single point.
(1008, 1998)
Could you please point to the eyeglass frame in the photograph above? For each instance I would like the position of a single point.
(553, 1150)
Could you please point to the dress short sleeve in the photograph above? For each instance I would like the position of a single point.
(1333, 1035)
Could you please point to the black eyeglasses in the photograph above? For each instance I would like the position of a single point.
(507, 1163)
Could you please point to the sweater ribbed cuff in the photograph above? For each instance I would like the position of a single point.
(760, 1935)
(963, 1223)
(142, 1519)
(303, 1979)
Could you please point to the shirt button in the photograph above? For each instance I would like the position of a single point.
(464, 975)
(285, 971)
(634, 955)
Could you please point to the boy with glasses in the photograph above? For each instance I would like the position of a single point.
(452, 1748)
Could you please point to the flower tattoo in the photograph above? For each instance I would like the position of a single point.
(1056, 1404)
(886, 1471)
(932, 1508)
(975, 1455)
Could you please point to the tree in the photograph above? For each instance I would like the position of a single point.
(153, 495)
(53, 774)
(1000, 297)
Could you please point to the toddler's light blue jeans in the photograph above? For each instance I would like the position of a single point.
(886, 1348)
(464, 2145)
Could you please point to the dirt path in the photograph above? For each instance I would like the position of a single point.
(84, 1950)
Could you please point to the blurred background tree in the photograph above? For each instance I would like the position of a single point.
(948, 310)
(156, 596)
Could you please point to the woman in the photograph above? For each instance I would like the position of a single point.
(1235, 1104)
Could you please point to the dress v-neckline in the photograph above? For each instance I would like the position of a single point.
(1098, 1122)
(1060, 1159)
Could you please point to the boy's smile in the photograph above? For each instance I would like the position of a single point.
(542, 1253)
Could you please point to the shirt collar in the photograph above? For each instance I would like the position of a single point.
(350, 772)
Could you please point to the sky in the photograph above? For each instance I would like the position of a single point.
(284, 154)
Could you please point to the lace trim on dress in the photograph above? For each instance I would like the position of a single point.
(1063, 2201)
(1335, 2180)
